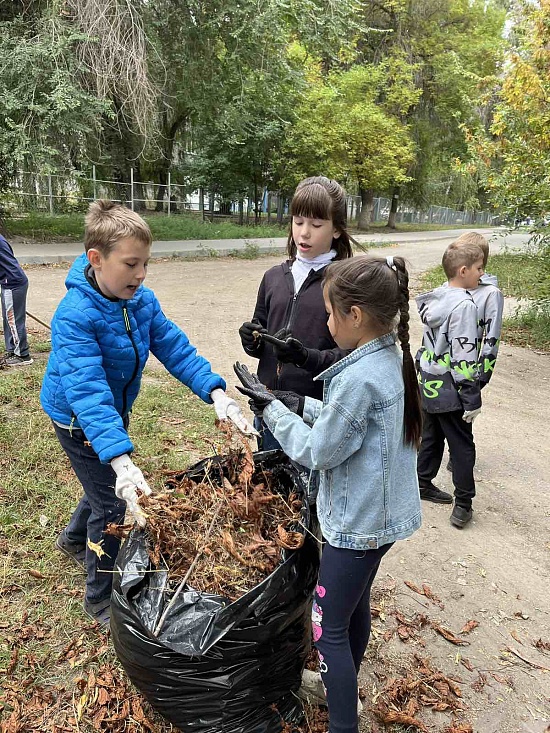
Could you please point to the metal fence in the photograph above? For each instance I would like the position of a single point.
(58, 193)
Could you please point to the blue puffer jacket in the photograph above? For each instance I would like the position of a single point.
(99, 350)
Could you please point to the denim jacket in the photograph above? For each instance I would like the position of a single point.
(368, 494)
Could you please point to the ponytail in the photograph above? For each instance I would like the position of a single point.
(413, 409)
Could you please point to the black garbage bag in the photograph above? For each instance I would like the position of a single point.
(219, 666)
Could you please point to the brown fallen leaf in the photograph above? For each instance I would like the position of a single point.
(428, 592)
(448, 635)
(396, 716)
(469, 626)
(414, 587)
(466, 663)
(37, 574)
(514, 635)
(540, 644)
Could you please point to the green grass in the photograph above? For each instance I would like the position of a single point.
(39, 616)
(177, 227)
(164, 228)
(381, 226)
(519, 276)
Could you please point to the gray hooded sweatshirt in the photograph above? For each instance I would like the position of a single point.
(447, 362)
(490, 304)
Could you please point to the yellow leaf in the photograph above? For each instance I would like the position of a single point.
(96, 547)
(81, 705)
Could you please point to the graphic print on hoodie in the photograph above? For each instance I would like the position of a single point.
(447, 361)
(490, 305)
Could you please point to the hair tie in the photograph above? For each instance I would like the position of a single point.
(389, 263)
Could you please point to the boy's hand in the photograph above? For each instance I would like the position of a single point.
(470, 415)
(227, 409)
(288, 350)
(129, 481)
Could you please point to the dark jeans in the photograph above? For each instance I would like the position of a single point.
(450, 426)
(96, 509)
(14, 315)
(341, 627)
(266, 441)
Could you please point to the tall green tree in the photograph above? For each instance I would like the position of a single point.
(47, 111)
(447, 52)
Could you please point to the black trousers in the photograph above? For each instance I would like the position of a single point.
(449, 426)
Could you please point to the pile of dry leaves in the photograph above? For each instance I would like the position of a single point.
(223, 532)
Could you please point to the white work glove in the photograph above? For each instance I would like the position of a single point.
(129, 480)
(470, 415)
(227, 409)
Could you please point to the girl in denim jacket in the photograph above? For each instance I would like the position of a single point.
(363, 438)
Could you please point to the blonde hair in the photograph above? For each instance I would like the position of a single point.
(107, 222)
(475, 238)
(460, 254)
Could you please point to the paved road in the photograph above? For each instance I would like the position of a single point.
(55, 252)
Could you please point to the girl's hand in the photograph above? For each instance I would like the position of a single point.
(253, 388)
(288, 350)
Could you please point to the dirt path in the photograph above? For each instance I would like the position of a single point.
(495, 572)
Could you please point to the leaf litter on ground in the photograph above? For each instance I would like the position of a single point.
(229, 525)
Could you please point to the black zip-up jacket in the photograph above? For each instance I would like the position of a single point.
(278, 306)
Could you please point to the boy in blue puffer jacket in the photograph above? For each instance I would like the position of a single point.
(102, 333)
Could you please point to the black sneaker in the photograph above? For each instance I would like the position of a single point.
(461, 516)
(15, 360)
(99, 612)
(77, 553)
(432, 493)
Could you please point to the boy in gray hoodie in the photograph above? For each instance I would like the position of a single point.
(449, 375)
(490, 304)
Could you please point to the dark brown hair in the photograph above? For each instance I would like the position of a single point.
(460, 254)
(107, 222)
(380, 287)
(319, 197)
(475, 238)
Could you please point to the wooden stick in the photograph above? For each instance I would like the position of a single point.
(38, 320)
(188, 573)
(527, 661)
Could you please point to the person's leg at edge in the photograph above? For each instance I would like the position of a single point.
(98, 482)
(8, 338)
(430, 454)
(462, 449)
(341, 626)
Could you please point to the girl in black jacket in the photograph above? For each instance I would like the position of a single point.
(288, 332)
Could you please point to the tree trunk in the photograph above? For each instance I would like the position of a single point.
(367, 206)
(280, 208)
(168, 139)
(241, 212)
(212, 203)
(201, 202)
(393, 209)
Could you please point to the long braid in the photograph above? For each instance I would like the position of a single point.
(413, 409)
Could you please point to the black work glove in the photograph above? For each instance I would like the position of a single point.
(253, 388)
(293, 401)
(251, 343)
(288, 350)
(261, 396)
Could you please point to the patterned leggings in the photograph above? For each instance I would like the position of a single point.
(341, 626)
